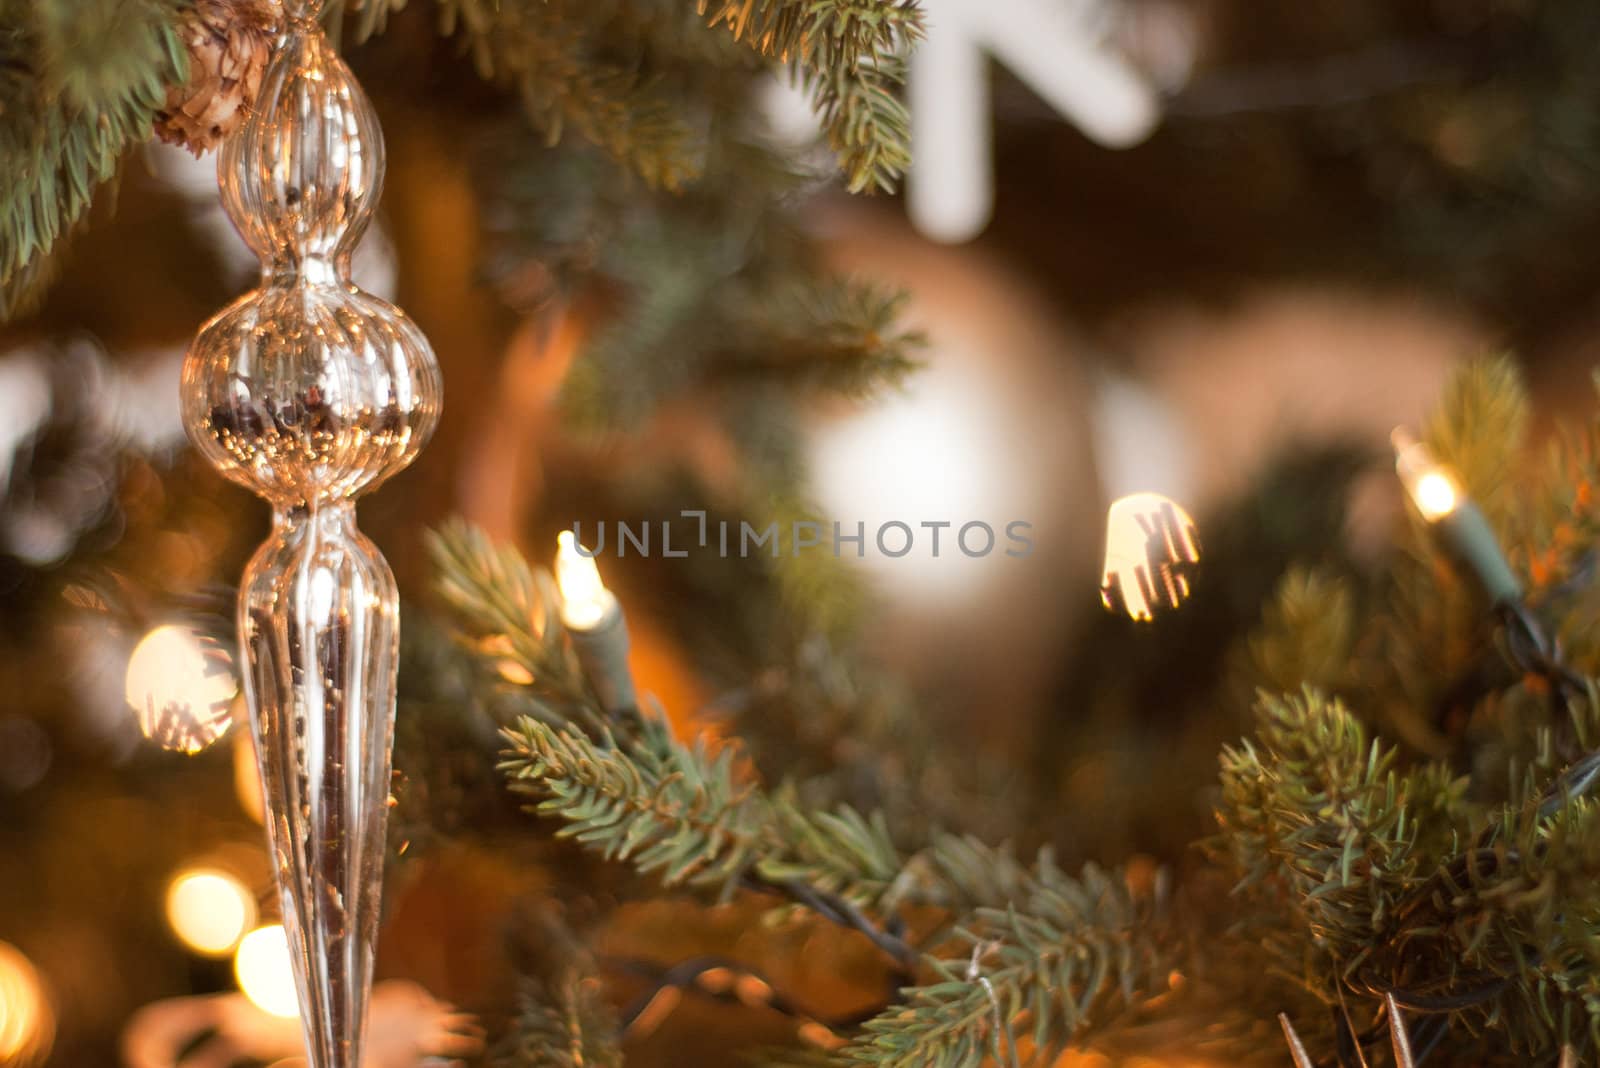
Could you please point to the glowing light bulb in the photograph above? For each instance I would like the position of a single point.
(261, 967)
(1430, 486)
(1151, 552)
(1436, 495)
(209, 910)
(181, 685)
(27, 1023)
(586, 604)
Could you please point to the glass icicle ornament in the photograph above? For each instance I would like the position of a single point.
(311, 392)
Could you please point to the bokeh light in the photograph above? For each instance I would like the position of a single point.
(27, 1023)
(1151, 551)
(209, 910)
(25, 754)
(261, 967)
(182, 686)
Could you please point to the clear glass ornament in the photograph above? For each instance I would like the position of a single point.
(311, 392)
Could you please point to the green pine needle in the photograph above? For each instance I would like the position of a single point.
(79, 84)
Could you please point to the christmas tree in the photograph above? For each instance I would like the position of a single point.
(1317, 790)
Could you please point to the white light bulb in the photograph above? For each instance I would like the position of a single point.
(1429, 484)
(585, 601)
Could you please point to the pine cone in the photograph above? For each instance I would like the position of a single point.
(229, 43)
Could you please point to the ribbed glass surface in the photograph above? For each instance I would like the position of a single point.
(310, 392)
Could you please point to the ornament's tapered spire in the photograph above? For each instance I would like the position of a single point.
(311, 392)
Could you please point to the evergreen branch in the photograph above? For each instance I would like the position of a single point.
(1479, 427)
(78, 84)
(1071, 950)
(509, 614)
(847, 53)
(848, 31)
(825, 333)
(681, 814)
(1510, 926)
(867, 124)
(1307, 635)
(570, 1026)
(842, 335)
(672, 813)
(1325, 837)
(1073, 954)
(549, 53)
(1356, 880)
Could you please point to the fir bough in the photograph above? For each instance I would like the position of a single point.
(564, 1023)
(654, 86)
(79, 84)
(1057, 951)
(849, 54)
(1063, 955)
(1465, 884)
(554, 54)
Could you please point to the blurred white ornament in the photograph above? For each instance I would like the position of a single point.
(182, 686)
(209, 910)
(1151, 550)
(261, 967)
(408, 1027)
(941, 451)
(27, 1023)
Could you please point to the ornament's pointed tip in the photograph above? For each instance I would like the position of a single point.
(1398, 1035)
(1297, 1048)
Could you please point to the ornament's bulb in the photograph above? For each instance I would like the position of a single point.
(27, 1024)
(1151, 551)
(181, 685)
(264, 973)
(1430, 486)
(209, 910)
(585, 601)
